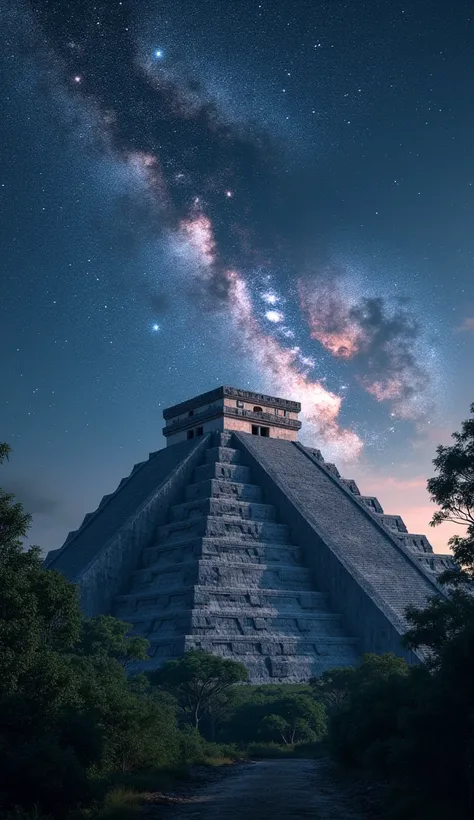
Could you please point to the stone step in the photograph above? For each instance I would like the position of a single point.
(224, 455)
(136, 603)
(278, 600)
(436, 562)
(218, 573)
(262, 668)
(272, 627)
(372, 503)
(146, 602)
(237, 624)
(216, 488)
(228, 472)
(415, 543)
(222, 439)
(392, 522)
(224, 527)
(236, 551)
(269, 661)
(149, 622)
(161, 626)
(222, 507)
(239, 647)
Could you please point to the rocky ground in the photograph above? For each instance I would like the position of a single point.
(268, 790)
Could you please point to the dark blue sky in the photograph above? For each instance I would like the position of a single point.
(276, 195)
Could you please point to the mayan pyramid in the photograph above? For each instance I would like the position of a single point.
(237, 539)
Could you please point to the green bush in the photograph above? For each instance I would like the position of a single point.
(191, 744)
(270, 750)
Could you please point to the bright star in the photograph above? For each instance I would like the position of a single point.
(270, 298)
(274, 316)
(158, 53)
(156, 327)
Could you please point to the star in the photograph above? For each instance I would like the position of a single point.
(155, 328)
(158, 53)
(274, 316)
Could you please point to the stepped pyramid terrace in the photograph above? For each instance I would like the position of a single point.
(237, 539)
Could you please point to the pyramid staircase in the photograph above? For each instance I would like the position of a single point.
(417, 544)
(225, 577)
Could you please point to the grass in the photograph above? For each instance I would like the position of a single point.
(277, 751)
(129, 792)
(151, 780)
(121, 803)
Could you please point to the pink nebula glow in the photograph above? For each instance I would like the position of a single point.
(320, 407)
(329, 320)
(198, 231)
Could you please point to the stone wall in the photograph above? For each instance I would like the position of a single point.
(100, 556)
(368, 576)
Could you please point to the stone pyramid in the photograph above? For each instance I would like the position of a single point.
(252, 547)
(225, 576)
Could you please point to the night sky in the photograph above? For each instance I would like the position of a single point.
(273, 195)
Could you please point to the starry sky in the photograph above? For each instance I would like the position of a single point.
(273, 195)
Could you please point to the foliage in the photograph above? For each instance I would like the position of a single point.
(69, 716)
(198, 680)
(273, 751)
(107, 636)
(14, 522)
(414, 727)
(121, 803)
(453, 490)
(285, 714)
(294, 719)
(433, 628)
(361, 725)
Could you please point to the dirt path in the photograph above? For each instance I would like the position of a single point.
(270, 790)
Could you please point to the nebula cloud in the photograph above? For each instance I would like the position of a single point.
(319, 406)
(382, 343)
(285, 369)
(329, 319)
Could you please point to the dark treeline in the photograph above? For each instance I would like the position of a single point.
(412, 728)
(81, 736)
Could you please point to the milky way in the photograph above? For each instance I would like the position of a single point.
(221, 185)
(262, 202)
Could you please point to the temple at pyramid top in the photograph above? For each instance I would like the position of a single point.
(231, 409)
(239, 540)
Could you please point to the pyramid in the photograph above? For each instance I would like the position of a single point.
(238, 540)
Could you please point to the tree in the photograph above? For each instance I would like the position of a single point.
(363, 718)
(39, 608)
(67, 708)
(107, 636)
(434, 628)
(217, 711)
(39, 623)
(14, 522)
(333, 687)
(294, 718)
(197, 679)
(414, 727)
(453, 490)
